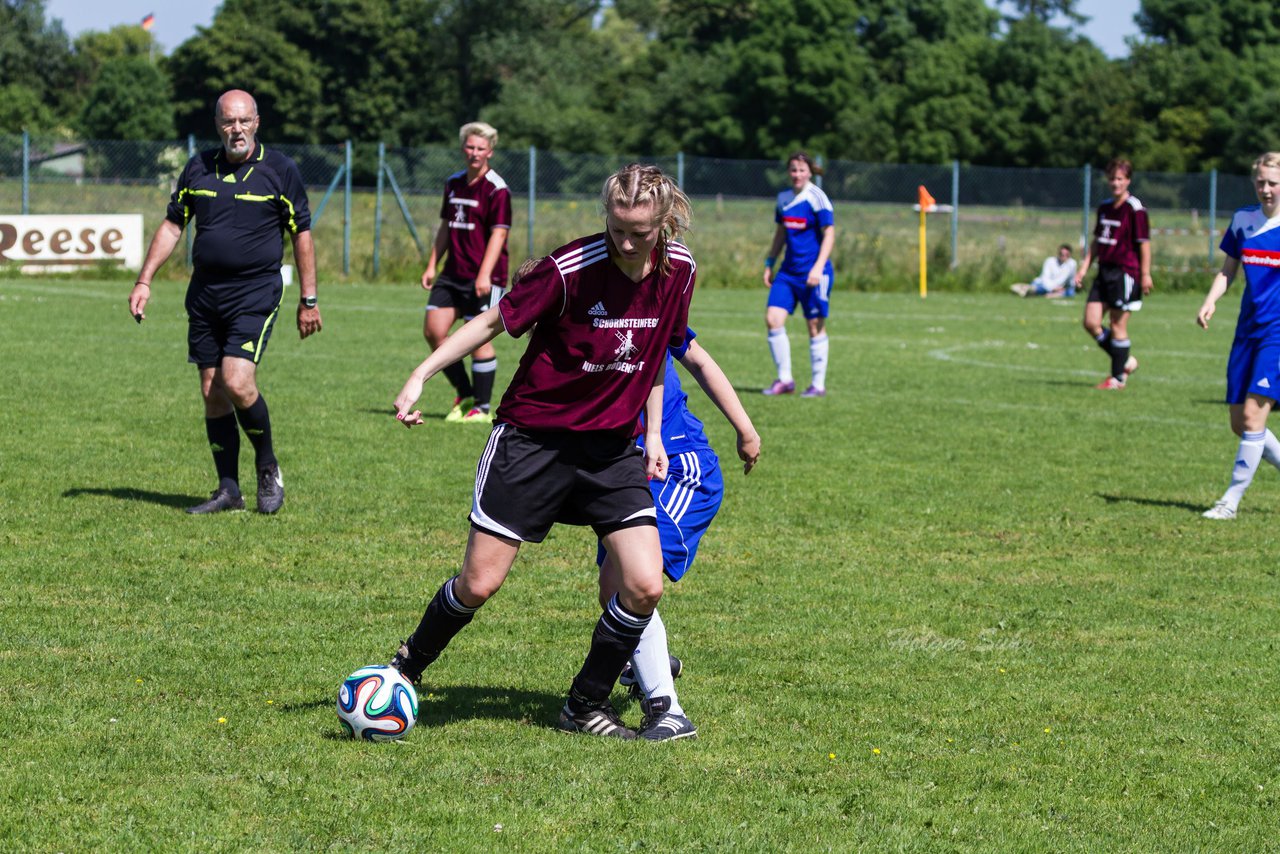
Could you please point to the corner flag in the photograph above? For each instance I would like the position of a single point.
(926, 201)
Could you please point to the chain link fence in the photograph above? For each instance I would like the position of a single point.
(378, 207)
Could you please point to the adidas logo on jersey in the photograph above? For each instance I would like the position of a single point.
(598, 310)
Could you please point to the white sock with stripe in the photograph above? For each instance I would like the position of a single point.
(780, 347)
(1247, 459)
(651, 664)
(1271, 449)
(818, 359)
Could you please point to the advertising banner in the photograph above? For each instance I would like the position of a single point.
(63, 242)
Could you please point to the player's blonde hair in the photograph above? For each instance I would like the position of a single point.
(481, 129)
(1266, 159)
(636, 185)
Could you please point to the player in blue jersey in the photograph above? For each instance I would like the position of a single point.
(806, 225)
(686, 503)
(1253, 369)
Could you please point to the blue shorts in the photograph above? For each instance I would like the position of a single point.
(1253, 368)
(686, 502)
(789, 290)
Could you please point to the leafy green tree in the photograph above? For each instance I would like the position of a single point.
(35, 57)
(130, 99)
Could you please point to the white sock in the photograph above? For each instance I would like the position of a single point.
(652, 664)
(1271, 449)
(818, 348)
(780, 347)
(1247, 459)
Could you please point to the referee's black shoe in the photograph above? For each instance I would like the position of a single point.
(221, 499)
(594, 719)
(270, 489)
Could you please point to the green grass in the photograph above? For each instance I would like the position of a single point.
(964, 603)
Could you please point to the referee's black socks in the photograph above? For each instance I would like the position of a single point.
(256, 423)
(224, 442)
(613, 642)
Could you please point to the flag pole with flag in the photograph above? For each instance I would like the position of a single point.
(925, 203)
(149, 21)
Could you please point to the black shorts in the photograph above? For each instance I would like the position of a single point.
(1116, 288)
(526, 481)
(232, 319)
(457, 294)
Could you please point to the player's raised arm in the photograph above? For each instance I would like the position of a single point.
(716, 384)
(480, 330)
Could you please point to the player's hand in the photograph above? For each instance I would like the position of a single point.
(484, 287)
(655, 457)
(428, 277)
(308, 321)
(749, 451)
(406, 399)
(1206, 312)
(768, 277)
(1147, 285)
(815, 277)
(138, 301)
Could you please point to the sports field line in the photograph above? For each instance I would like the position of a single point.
(1214, 425)
(948, 354)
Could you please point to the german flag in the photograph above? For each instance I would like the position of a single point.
(148, 22)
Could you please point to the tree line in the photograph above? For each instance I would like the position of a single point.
(920, 81)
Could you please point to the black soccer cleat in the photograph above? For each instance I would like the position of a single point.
(660, 724)
(599, 719)
(628, 678)
(270, 489)
(221, 499)
(404, 661)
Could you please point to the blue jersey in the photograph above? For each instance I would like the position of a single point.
(1254, 241)
(804, 215)
(681, 429)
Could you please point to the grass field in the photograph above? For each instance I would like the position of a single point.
(965, 603)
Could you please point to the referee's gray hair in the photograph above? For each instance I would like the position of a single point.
(481, 129)
(1266, 159)
(217, 105)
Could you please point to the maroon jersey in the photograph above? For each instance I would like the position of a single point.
(600, 341)
(471, 213)
(1118, 233)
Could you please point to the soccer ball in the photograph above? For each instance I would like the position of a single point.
(377, 703)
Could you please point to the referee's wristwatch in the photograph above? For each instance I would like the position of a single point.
(307, 302)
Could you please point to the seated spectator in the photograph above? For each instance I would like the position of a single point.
(1057, 278)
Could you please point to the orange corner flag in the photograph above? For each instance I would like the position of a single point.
(926, 201)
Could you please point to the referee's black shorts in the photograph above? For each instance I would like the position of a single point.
(526, 481)
(231, 319)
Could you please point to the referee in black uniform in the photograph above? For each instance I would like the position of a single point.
(245, 198)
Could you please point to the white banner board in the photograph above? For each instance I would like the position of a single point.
(67, 241)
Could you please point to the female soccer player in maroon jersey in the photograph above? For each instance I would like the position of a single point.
(1122, 247)
(603, 310)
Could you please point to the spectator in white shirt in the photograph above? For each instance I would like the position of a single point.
(1057, 278)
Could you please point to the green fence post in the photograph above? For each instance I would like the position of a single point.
(377, 211)
(26, 172)
(680, 169)
(1213, 211)
(817, 179)
(1084, 228)
(533, 191)
(346, 218)
(955, 214)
